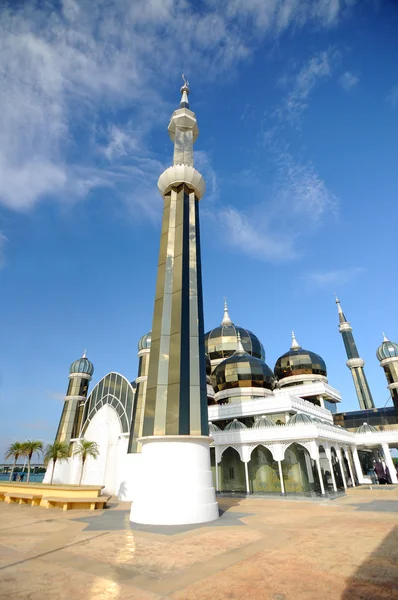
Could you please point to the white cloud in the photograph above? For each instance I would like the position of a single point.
(254, 236)
(3, 241)
(301, 191)
(318, 67)
(61, 72)
(348, 81)
(392, 97)
(333, 277)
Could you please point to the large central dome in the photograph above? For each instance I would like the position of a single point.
(221, 342)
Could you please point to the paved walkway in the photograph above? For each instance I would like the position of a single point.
(260, 549)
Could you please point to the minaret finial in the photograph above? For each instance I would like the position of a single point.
(239, 347)
(342, 318)
(295, 345)
(385, 338)
(184, 91)
(84, 354)
(226, 322)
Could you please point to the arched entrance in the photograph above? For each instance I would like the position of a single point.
(346, 468)
(336, 469)
(232, 472)
(325, 470)
(300, 475)
(263, 472)
(104, 429)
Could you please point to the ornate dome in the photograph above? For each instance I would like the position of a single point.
(242, 370)
(299, 362)
(221, 342)
(235, 425)
(387, 349)
(144, 343)
(365, 428)
(300, 419)
(82, 365)
(263, 421)
(213, 428)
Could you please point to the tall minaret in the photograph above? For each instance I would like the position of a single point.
(354, 362)
(387, 353)
(80, 374)
(176, 486)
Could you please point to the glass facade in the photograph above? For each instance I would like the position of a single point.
(299, 362)
(349, 344)
(381, 418)
(77, 387)
(300, 475)
(115, 390)
(242, 370)
(221, 342)
(232, 472)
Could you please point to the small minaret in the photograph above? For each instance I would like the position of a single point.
(387, 354)
(144, 350)
(80, 374)
(354, 362)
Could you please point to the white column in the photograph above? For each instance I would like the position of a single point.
(281, 476)
(217, 483)
(318, 464)
(247, 478)
(341, 469)
(350, 467)
(390, 464)
(357, 464)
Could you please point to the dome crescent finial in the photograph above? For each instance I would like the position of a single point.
(295, 345)
(385, 338)
(84, 354)
(239, 347)
(226, 319)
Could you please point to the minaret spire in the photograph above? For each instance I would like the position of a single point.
(239, 347)
(185, 92)
(354, 362)
(226, 322)
(295, 345)
(385, 339)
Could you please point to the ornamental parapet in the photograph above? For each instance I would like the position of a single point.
(279, 402)
(370, 438)
(281, 433)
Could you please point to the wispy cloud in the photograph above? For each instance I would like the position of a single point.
(333, 277)
(62, 71)
(318, 67)
(254, 236)
(3, 242)
(392, 96)
(348, 81)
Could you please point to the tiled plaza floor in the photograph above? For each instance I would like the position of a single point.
(260, 549)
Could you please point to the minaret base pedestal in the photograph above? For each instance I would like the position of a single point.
(176, 486)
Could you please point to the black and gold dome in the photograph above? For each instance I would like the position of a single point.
(221, 342)
(242, 370)
(299, 361)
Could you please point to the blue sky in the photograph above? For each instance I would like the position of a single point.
(297, 105)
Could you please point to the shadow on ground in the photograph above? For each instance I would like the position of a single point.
(377, 577)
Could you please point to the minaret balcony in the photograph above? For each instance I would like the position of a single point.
(177, 174)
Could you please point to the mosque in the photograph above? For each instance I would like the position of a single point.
(273, 431)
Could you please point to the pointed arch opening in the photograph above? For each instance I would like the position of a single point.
(263, 472)
(232, 472)
(300, 473)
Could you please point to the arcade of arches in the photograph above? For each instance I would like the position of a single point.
(297, 473)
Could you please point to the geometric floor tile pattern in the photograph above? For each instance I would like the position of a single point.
(260, 549)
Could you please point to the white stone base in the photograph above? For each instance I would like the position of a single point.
(176, 486)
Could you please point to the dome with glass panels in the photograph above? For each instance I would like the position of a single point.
(220, 342)
(300, 419)
(299, 361)
(366, 428)
(387, 349)
(235, 425)
(263, 421)
(242, 370)
(82, 365)
(144, 343)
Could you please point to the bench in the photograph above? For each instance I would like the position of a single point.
(30, 499)
(79, 503)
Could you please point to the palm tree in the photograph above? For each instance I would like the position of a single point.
(56, 451)
(31, 447)
(84, 449)
(14, 451)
